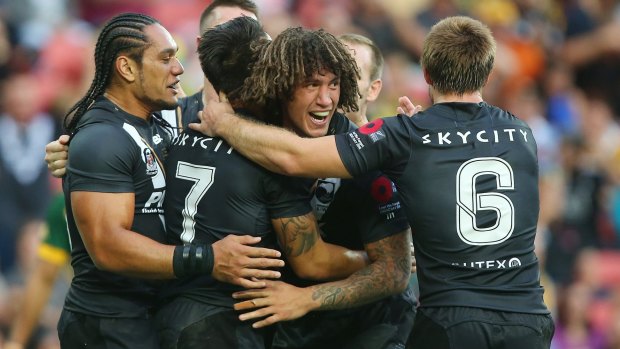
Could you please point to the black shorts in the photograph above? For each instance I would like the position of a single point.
(465, 328)
(383, 324)
(186, 324)
(77, 330)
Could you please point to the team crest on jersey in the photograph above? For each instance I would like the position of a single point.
(324, 194)
(149, 160)
(373, 130)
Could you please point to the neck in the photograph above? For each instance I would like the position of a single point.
(470, 97)
(128, 103)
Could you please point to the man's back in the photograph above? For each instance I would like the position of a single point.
(468, 177)
(213, 191)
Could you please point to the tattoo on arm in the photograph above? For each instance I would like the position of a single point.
(391, 264)
(300, 234)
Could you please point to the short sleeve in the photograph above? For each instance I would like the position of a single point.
(101, 159)
(380, 211)
(287, 196)
(383, 144)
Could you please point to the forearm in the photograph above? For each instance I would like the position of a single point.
(310, 256)
(387, 274)
(282, 151)
(132, 254)
(376, 281)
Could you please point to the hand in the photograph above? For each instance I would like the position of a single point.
(414, 264)
(405, 106)
(56, 154)
(237, 263)
(214, 111)
(278, 301)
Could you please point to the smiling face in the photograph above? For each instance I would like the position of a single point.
(158, 82)
(313, 104)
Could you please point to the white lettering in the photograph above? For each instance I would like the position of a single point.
(426, 139)
(479, 136)
(524, 135)
(510, 131)
(444, 138)
(464, 136)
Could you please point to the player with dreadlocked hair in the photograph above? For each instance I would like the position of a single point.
(292, 60)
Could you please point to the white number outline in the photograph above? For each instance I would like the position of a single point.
(466, 197)
(203, 177)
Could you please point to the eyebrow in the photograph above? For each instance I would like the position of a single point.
(169, 51)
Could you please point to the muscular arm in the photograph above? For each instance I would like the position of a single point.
(272, 147)
(387, 274)
(310, 256)
(104, 221)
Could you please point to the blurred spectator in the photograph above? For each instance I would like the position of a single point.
(573, 329)
(24, 181)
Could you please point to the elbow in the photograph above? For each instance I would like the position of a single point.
(104, 261)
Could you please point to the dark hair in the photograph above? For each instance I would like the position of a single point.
(295, 55)
(121, 34)
(376, 65)
(228, 51)
(458, 55)
(247, 5)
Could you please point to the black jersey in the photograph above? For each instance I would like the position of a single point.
(467, 175)
(357, 211)
(115, 152)
(213, 191)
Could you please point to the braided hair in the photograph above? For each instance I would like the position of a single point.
(295, 55)
(122, 34)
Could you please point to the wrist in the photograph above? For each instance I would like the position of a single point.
(192, 259)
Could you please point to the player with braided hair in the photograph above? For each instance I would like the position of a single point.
(114, 188)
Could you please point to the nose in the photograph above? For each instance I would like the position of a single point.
(177, 69)
(324, 98)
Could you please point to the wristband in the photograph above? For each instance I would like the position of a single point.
(191, 260)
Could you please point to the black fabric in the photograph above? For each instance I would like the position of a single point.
(185, 324)
(213, 191)
(78, 331)
(382, 324)
(115, 152)
(190, 260)
(474, 162)
(471, 328)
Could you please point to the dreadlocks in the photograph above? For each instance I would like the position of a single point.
(295, 55)
(122, 34)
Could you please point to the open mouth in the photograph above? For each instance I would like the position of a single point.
(319, 116)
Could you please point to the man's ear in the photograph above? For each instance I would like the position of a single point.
(126, 68)
(374, 90)
(427, 77)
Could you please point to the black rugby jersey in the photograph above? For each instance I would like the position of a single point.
(115, 152)
(213, 191)
(467, 175)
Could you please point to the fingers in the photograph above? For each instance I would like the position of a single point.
(260, 274)
(250, 284)
(405, 106)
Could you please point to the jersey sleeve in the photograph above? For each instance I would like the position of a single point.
(287, 196)
(55, 247)
(379, 210)
(383, 144)
(101, 159)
